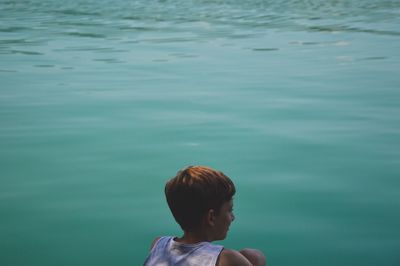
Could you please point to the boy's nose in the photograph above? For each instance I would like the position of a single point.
(233, 217)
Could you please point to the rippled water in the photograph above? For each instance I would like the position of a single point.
(102, 101)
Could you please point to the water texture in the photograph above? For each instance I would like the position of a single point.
(102, 101)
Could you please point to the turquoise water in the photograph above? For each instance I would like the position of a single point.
(102, 101)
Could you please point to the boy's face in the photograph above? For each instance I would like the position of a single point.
(223, 220)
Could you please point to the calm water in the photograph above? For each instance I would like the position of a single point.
(102, 101)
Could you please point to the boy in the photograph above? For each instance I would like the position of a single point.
(201, 201)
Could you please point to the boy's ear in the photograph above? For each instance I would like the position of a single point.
(210, 217)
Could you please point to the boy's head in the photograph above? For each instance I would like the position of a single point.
(194, 191)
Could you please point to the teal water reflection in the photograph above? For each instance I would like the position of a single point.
(102, 101)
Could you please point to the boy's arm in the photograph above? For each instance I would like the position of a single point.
(245, 257)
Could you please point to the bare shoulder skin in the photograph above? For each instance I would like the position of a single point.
(245, 257)
(230, 257)
(255, 256)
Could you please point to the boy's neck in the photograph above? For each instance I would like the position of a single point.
(194, 237)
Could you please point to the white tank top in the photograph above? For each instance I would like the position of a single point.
(167, 252)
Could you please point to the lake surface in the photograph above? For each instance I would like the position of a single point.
(102, 101)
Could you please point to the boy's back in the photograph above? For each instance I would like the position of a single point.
(167, 251)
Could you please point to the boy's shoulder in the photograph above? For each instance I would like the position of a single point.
(154, 242)
(229, 257)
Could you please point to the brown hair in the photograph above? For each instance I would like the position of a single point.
(194, 191)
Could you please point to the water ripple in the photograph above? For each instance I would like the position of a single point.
(75, 12)
(13, 29)
(86, 34)
(265, 49)
(339, 28)
(25, 52)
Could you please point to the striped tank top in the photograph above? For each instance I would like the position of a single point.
(167, 252)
